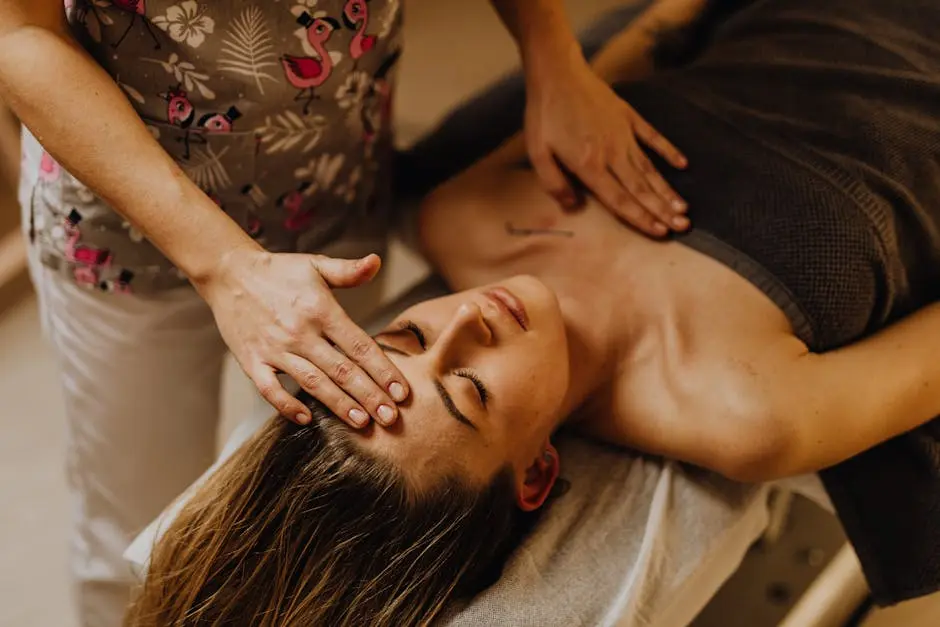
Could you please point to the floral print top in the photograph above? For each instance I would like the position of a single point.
(278, 109)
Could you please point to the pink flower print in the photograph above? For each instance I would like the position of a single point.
(49, 168)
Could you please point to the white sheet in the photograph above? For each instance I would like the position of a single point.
(634, 542)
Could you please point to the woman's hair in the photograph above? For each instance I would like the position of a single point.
(303, 527)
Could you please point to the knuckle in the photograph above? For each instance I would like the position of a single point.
(360, 349)
(294, 331)
(384, 375)
(268, 391)
(343, 372)
(314, 307)
(373, 399)
(311, 380)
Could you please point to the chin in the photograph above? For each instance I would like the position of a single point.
(540, 301)
(531, 290)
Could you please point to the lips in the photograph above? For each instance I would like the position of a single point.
(507, 301)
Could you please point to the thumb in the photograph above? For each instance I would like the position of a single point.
(339, 273)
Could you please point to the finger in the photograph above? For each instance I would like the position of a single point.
(342, 273)
(314, 381)
(651, 137)
(618, 199)
(673, 207)
(553, 179)
(363, 351)
(356, 383)
(634, 179)
(274, 393)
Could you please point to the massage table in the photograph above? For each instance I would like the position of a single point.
(633, 541)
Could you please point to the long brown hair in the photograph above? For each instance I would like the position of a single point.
(302, 528)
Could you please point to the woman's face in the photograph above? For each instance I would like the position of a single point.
(488, 370)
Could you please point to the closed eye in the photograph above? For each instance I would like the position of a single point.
(482, 392)
(408, 325)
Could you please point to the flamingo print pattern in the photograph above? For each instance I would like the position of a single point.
(308, 73)
(137, 9)
(293, 203)
(242, 95)
(356, 18)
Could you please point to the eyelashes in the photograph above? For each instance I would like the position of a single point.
(414, 329)
(481, 389)
(408, 325)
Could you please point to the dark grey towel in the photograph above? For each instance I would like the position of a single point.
(813, 130)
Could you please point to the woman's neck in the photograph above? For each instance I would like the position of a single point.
(604, 321)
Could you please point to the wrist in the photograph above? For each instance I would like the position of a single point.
(209, 245)
(227, 268)
(550, 50)
(550, 59)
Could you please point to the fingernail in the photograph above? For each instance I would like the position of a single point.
(302, 418)
(386, 414)
(679, 205)
(397, 390)
(680, 222)
(359, 417)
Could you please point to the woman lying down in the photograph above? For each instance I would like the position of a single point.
(790, 329)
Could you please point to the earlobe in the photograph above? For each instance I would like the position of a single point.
(539, 479)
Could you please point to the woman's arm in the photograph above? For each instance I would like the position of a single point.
(575, 122)
(766, 408)
(840, 403)
(276, 312)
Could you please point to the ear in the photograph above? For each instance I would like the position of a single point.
(539, 479)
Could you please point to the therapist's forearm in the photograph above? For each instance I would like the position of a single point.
(542, 33)
(625, 57)
(84, 121)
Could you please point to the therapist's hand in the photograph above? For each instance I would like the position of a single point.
(277, 313)
(574, 121)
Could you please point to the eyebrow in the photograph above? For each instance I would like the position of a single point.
(451, 407)
(446, 398)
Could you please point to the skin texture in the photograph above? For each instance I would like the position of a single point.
(575, 123)
(509, 382)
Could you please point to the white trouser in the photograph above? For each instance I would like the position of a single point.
(141, 378)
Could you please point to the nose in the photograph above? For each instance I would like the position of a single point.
(466, 331)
